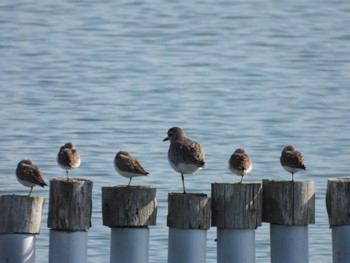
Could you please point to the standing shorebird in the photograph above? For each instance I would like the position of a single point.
(240, 163)
(68, 157)
(291, 160)
(128, 166)
(29, 174)
(185, 156)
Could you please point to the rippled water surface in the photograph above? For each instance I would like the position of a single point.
(110, 75)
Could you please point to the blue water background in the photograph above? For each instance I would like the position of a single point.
(110, 75)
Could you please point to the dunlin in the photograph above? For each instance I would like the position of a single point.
(68, 157)
(185, 156)
(128, 166)
(240, 163)
(291, 160)
(29, 174)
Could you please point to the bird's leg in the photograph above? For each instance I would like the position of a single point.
(183, 182)
(30, 190)
(292, 177)
(67, 174)
(129, 182)
(242, 178)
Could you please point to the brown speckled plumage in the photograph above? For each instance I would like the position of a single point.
(29, 174)
(291, 160)
(68, 157)
(128, 166)
(185, 155)
(240, 163)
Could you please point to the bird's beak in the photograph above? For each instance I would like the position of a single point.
(167, 138)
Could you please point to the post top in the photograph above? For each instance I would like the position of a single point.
(32, 197)
(70, 180)
(131, 187)
(237, 183)
(287, 181)
(339, 180)
(188, 194)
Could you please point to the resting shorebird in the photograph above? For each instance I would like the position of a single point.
(29, 174)
(128, 166)
(240, 163)
(68, 157)
(291, 160)
(185, 156)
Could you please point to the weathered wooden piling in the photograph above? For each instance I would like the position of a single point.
(236, 212)
(128, 211)
(338, 209)
(20, 221)
(69, 217)
(289, 207)
(188, 221)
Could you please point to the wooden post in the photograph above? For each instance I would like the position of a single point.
(69, 218)
(236, 205)
(338, 209)
(288, 203)
(128, 211)
(188, 221)
(236, 212)
(289, 207)
(133, 206)
(338, 202)
(20, 221)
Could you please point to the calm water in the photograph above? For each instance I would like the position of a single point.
(118, 74)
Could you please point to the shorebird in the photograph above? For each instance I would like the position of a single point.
(128, 166)
(291, 160)
(29, 174)
(185, 156)
(240, 163)
(68, 157)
